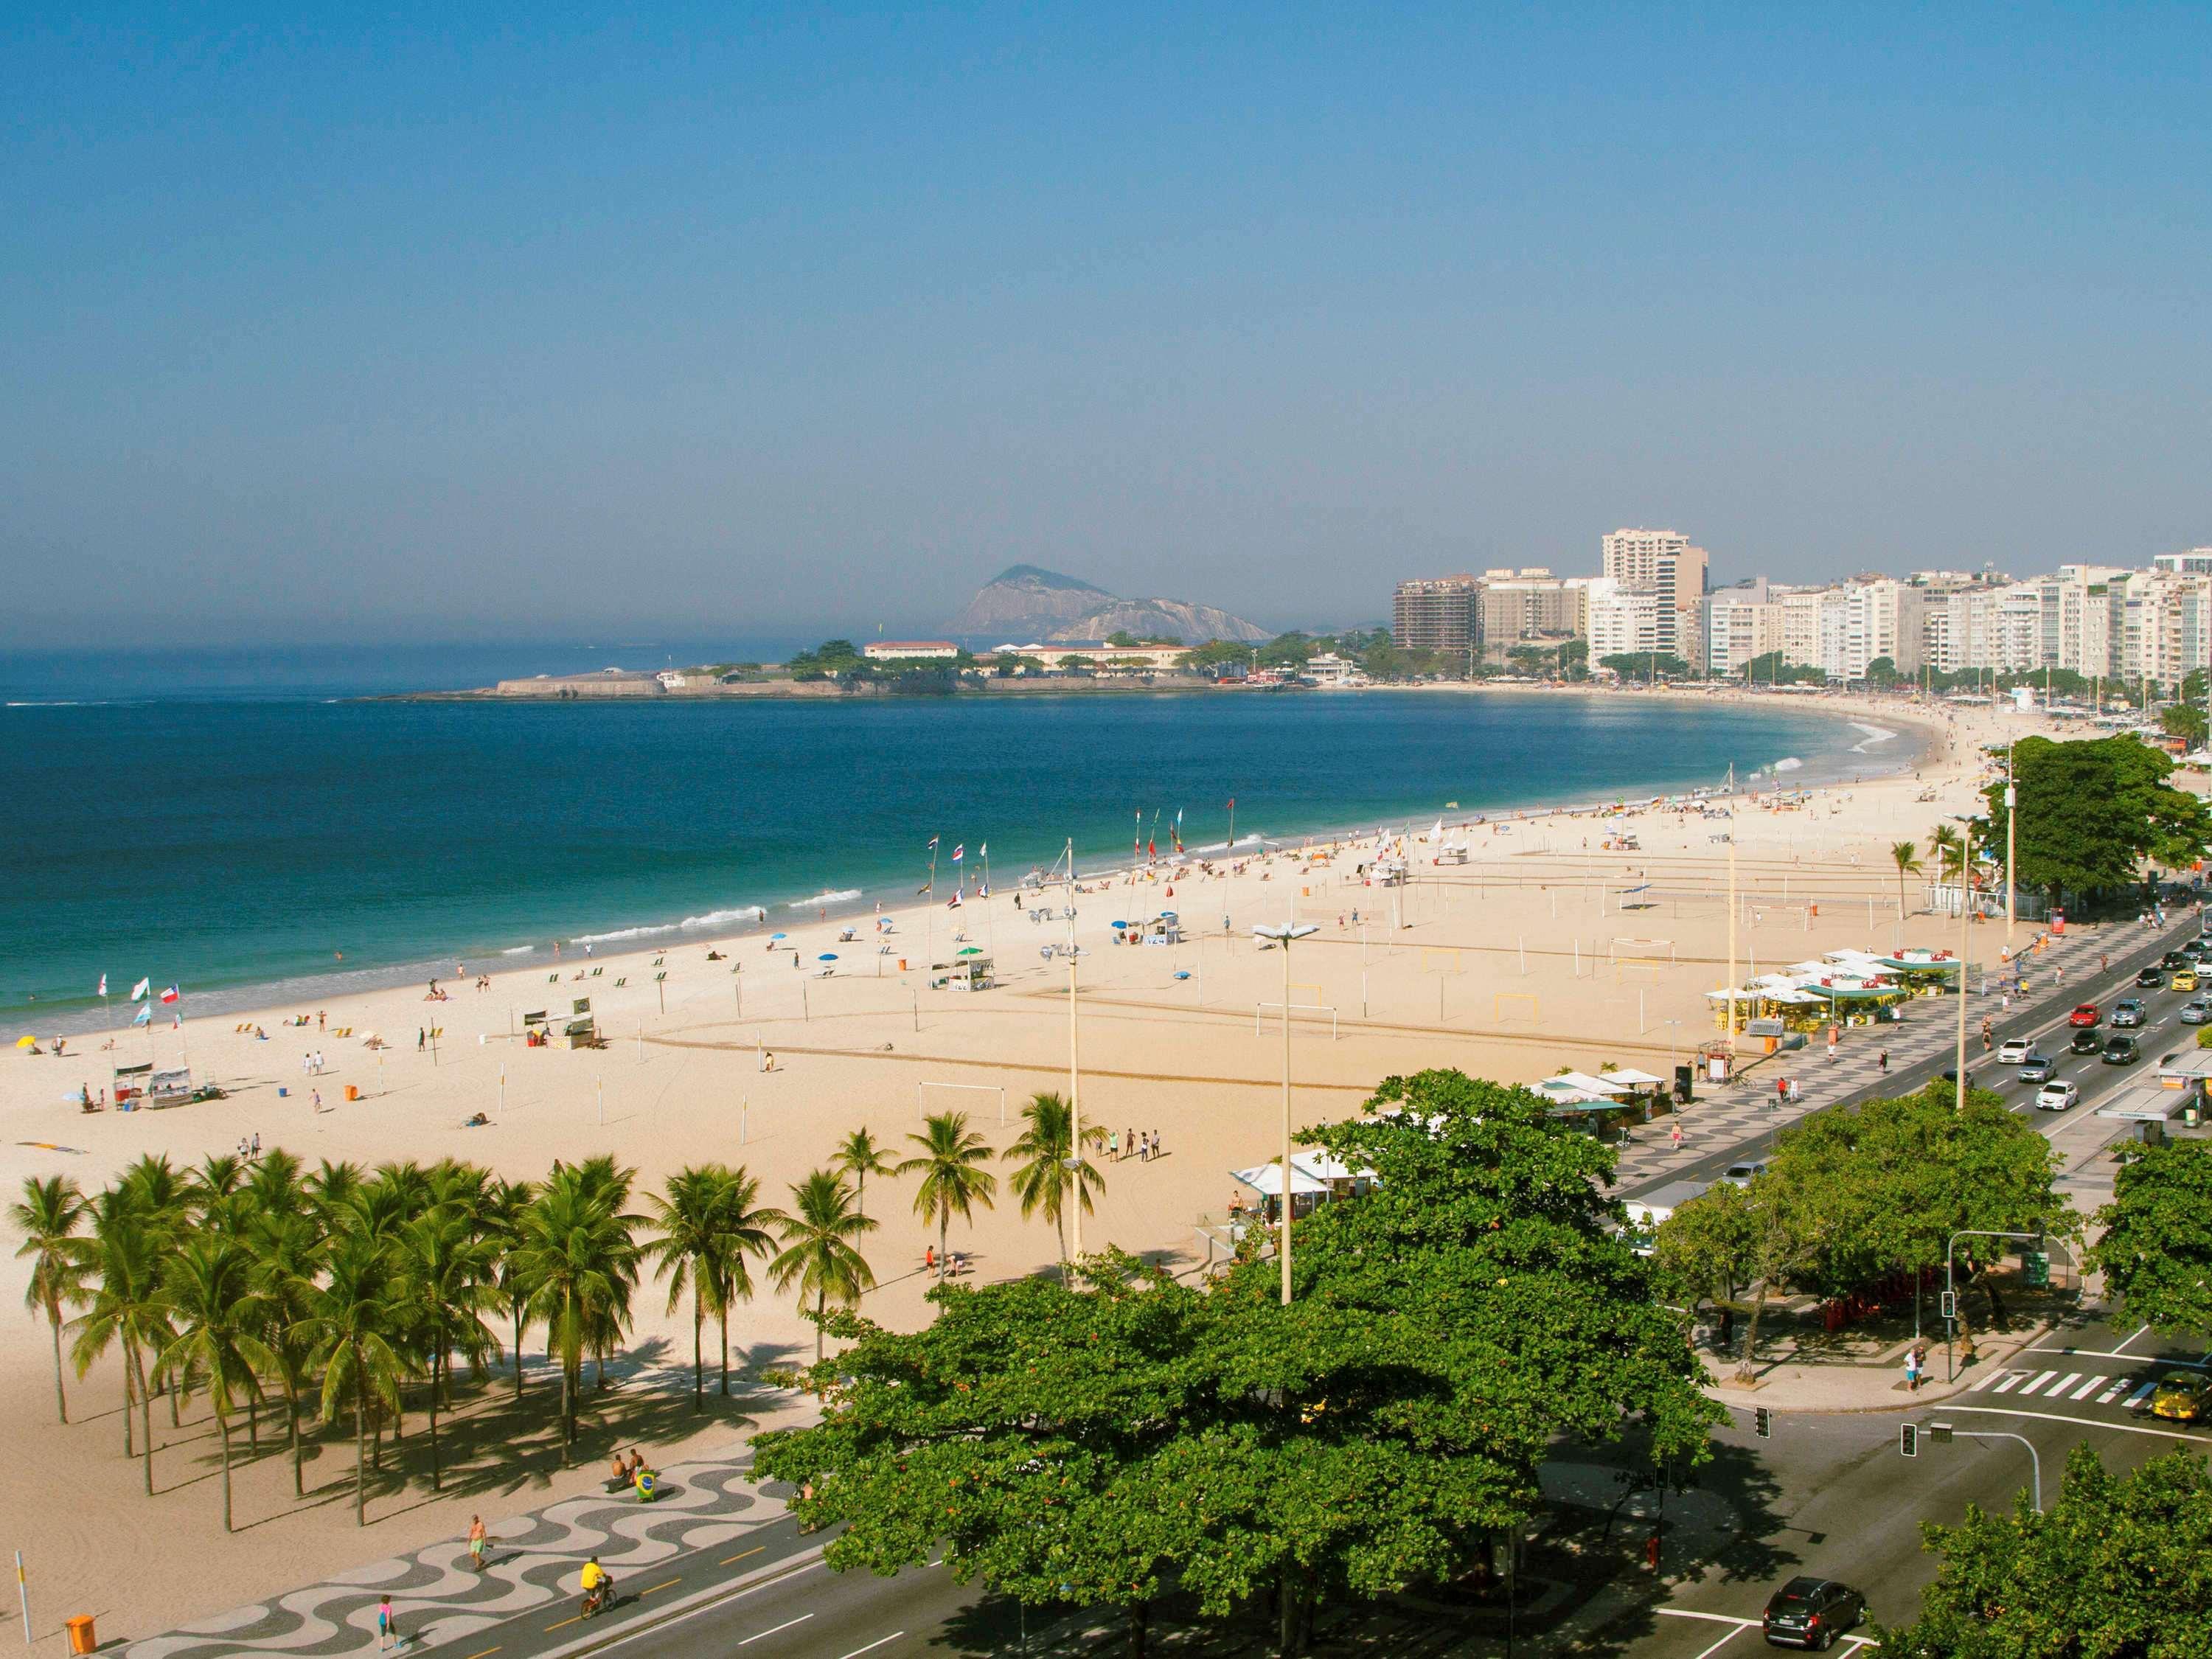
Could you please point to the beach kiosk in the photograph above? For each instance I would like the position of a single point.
(129, 1086)
(173, 1088)
(582, 1030)
(964, 973)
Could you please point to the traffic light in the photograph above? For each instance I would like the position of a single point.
(1762, 1423)
(1940, 1433)
(1947, 1304)
(2035, 1269)
(1908, 1439)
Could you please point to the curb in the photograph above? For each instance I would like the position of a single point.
(638, 1624)
(1909, 1402)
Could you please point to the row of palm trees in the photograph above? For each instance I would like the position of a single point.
(341, 1289)
(1945, 845)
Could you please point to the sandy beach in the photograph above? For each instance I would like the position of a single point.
(1513, 964)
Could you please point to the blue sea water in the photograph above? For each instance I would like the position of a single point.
(230, 844)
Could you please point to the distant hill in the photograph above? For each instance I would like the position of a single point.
(1044, 603)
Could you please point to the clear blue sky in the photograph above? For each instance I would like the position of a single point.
(488, 320)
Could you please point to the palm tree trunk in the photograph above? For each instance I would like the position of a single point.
(821, 1302)
(943, 1224)
(518, 1351)
(292, 1411)
(129, 1405)
(726, 1348)
(145, 1426)
(860, 1194)
(698, 1353)
(567, 1414)
(359, 1452)
(61, 1399)
(222, 1425)
(434, 1435)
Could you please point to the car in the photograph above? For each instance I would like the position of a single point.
(2150, 979)
(2198, 949)
(2088, 1014)
(1743, 1174)
(2085, 1043)
(2037, 1068)
(2013, 1050)
(2126, 1012)
(2180, 1395)
(2195, 1012)
(2185, 979)
(2058, 1094)
(2171, 960)
(1811, 1612)
(2121, 1051)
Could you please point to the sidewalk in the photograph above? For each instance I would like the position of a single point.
(1866, 1388)
(1921, 1047)
(532, 1562)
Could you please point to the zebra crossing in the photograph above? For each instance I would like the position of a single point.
(2072, 1386)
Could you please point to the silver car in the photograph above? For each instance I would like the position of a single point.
(2058, 1094)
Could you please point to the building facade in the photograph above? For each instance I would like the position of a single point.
(1436, 613)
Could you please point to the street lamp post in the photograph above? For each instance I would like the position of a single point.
(1951, 1296)
(1283, 936)
(1965, 867)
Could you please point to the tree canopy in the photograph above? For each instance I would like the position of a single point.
(2115, 1569)
(2156, 1250)
(2091, 811)
(1642, 664)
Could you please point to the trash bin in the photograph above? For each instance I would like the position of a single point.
(901, 964)
(352, 1092)
(82, 1639)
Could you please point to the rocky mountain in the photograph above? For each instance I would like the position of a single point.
(1045, 605)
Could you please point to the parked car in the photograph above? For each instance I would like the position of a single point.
(2085, 1043)
(2180, 1395)
(2195, 1012)
(1743, 1175)
(2013, 1050)
(2150, 979)
(2121, 1051)
(2185, 979)
(2088, 1014)
(1812, 1613)
(2037, 1068)
(2127, 1012)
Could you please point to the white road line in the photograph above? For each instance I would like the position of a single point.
(2135, 1399)
(872, 1646)
(2060, 1386)
(1723, 1642)
(1683, 1612)
(2085, 1422)
(2042, 1379)
(1984, 1380)
(2118, 1387)
(2140, 1329)
(2013, 1380)
(763, 1635)
(2089, 1387)
(2101, 1354)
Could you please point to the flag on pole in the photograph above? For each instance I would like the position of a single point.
(171, 994)
(176, 1022)
(933, 844)
(952, 903)
(144, 1015)
(1174, 831)
(103, 985)
(140, 988)
(959, 853)
(983, 849)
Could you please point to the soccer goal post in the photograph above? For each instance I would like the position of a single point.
(1442, 959)
(922, 1097)
(1259, 1010)
(1527, 1008)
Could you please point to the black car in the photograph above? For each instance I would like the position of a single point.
(2121, 1051)
(1812, 1613)
(2037, 1068)
(2198, 949)
(2085, 1041)
(2151, 979)
(2171, 960)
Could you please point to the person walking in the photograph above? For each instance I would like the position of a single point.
(477, 1541)
(1882, 1062)
(1675, 1133)
(1912, 1368)
(385, 1635)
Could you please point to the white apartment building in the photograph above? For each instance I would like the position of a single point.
(1622, 618)
(1960, 629)
(909, 650)
(2197, 562)
(2161, 626)
(1667, 563)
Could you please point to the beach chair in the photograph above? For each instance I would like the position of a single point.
(596, 972)
(622, 981)
(656, 978)
(552, 979)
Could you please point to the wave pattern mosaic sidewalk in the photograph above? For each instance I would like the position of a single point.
(437, 1599)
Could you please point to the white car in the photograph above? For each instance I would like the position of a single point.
(2057, 1097)
(2013, 1050)
(1743, 1175)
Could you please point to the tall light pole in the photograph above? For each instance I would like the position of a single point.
(1283, 937)
(2012, 831)
(1074, 1097)
(1965, 865)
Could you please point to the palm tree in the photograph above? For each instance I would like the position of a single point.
(357, 1321)
(445, 1272)
(208, 1293)
(48, 1216)
(575, 1256)
(745, 1234)
(125, 1311)
(1045, 1181)
(505, 1204)
(287, 1259)
(860, 1156)
(1906, 856)
(953, 1178)
(690, 1222)
(274, 1188)
(331, 1189)
(819, 1255)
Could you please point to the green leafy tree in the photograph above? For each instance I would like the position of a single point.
(954, 1180)
(821, 1255)
(125, 1311)
(2091, 812)
(2115, 1568)
(709, 1228)
(859, 1156)
(576, 1255)
(289, 1252)
(505, 1205)
(2155, 1252)
(1044, 1149)
(445, 1275)
(1646, 665)
(2184, 721)
(50, 1216)
(1905, 855)
(358, 1319)
(208, 1291)
(1709, 1250)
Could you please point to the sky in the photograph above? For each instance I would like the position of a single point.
(506, 321)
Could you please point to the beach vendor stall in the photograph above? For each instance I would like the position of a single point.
(582, 1030)
(171, 1088)
(129, 1086)
(970, 970)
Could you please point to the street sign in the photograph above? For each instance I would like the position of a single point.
(1908, 1439)
(1940, 1433)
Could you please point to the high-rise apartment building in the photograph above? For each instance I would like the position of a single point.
(1436, 613)
(1670, 566)
(1529, 604)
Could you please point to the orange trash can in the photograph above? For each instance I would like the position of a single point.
(82, 1639)
(352, 1092)
(901, 964)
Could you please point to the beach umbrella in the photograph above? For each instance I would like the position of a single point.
(778, 936)
(827, 956)
(972, 951)
(26, 1042)
(1121, 924)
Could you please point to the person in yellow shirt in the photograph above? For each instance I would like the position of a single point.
(598, 1585)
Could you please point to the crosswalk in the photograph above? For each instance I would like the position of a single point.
(2071, 1386)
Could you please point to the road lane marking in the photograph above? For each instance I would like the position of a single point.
(2059, 1387)
(1986, 1378)
(565, 1623)
(2118, 1387)
(1682, 1612)
(2087, 1422)
(872, 1646)
(1723, 1642)
(480, 1652)
(741, 1555)
(2135, 1399)
(2101, 1354)
(765, 1635)
(2090, 1387)
(2140, 1329)
(2013, 1380)
(660, 1586)
(711, 1600)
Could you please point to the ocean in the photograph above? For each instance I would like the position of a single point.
(235, 843)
